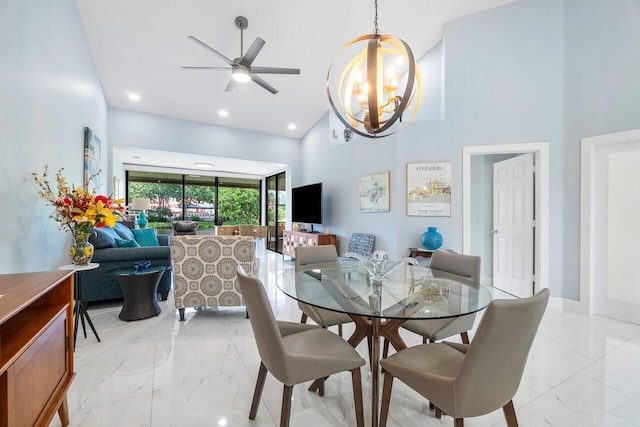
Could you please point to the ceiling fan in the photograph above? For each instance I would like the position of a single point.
(241, 68)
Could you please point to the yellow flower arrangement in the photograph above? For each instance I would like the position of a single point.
(77, 210)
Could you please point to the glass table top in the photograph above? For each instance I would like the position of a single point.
(410, 292)
(130, 271)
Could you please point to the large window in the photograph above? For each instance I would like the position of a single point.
(209, 200)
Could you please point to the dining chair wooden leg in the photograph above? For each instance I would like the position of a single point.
(424, 340)
(386, 398)
(340, 330)
(257, 394)
(385, 348)
(465, 337)
(432, 406)
(438, 412)
(356, 380)
(510, 414)
(285, 415)
(321, 388)
(459, 422)
(303, 319)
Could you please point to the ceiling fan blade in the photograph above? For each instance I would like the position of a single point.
(208, 68)
(253, 51)
(232, 83)
(274, 70)
(212, 50)
(264, 84)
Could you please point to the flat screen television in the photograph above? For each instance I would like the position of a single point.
(306, 204)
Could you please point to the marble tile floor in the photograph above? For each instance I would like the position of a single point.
(582, 371)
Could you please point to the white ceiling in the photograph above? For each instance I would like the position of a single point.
(139, 46)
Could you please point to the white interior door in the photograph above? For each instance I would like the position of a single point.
(617, 232)
(513, 225)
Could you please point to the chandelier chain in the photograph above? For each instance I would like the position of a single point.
(376, 30)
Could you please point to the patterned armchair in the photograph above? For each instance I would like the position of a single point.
(205, 270)
(361, 244)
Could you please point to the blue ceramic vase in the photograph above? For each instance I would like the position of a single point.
(431, 239)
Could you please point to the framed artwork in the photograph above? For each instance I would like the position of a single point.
(91, 159)
(429, 189)
(374, 192)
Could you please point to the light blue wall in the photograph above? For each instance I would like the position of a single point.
(530, 71)
(148, 131)
(50, 92)
(602, 96)
(503, 84)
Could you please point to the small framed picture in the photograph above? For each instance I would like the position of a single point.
(429, 189)
(91, 159)
(374, 192)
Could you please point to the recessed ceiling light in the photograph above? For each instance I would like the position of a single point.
(204, 165)
(223, 113)
(292, 126)
(134, 96)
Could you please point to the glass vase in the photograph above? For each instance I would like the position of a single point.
(81, 250)
(431, 239)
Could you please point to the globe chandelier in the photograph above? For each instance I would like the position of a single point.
(379, 84)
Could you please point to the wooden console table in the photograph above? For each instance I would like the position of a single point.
(227, 230)
(36, 352)
(293, 239)
(425, 253)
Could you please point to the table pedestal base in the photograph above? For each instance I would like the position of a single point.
(373, 329)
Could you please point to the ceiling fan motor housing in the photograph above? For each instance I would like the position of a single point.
(242, 22)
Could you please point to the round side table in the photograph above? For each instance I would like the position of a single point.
(139, 291)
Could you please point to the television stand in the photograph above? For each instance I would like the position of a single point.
(292, 239)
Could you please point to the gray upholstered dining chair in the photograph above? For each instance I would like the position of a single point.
(325, 255)
(295, 353)
(469, 380)
(466, 266)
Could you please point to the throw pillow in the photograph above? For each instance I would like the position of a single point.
(146, 237)
(104, 237)
(123, 231)
(127, 243)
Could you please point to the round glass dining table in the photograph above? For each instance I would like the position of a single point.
(378, 309)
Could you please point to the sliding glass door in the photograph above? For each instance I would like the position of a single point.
(210, 200)
(276, 208)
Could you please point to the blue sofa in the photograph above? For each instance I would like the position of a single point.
(99, 284)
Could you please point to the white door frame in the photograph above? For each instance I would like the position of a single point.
(587, 214)
(541, 152)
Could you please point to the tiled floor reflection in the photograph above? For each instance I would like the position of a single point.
(582, 371)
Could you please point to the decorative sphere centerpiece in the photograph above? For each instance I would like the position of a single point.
(431, 239)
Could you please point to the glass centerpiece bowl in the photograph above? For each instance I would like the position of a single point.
(378, 265)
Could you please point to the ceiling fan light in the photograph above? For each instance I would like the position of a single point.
(240, 75)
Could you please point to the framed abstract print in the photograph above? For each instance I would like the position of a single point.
(429, 189)
(374, 192)
(91, 159)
